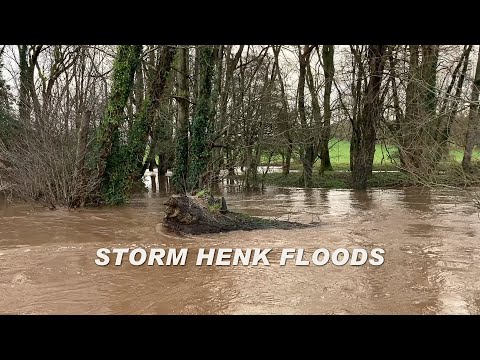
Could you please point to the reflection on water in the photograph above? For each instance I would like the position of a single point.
(431, 239)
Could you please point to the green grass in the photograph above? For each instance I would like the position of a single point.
(340, 157)
(457, 155)
(339, 179)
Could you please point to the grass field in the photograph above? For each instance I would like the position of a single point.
(340, 156)
(457, 155)
(339, 179)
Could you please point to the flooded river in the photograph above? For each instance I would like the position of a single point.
(431, 242)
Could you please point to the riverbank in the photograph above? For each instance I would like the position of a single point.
(341, 180)
(379, 179)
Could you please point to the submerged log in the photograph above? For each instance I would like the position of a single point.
(204, 215)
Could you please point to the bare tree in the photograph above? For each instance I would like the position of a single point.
(363, 129)
(329, 72)
(473, 119)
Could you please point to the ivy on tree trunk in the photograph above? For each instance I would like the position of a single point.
(180, 167)
(110, 159)
(200, 125)
(143, 126)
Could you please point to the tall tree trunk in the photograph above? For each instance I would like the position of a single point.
(284, 121)
(196, 75)
(447, 116)
(308, 146)
(428, 70)
(34, 53)
(162, 134)
(315, 128)
(214, 107)
(108, 140)
(408, 132)
(363, 135)
(419, 139)
(231, 127)
(23, 98)
(139, 88)
(180, 169)
(358, 76)
(473, 120)
(142, 128)
(225, 93)
(79, 97)
(265, 101)
(200, 155)
(396, 128)
(329, 71)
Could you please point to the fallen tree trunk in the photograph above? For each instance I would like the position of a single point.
(206, 215)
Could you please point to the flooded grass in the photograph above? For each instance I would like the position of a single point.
(341, 180)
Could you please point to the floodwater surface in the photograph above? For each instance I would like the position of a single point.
(431, 242)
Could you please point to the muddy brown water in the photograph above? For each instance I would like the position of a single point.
(431, 242)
